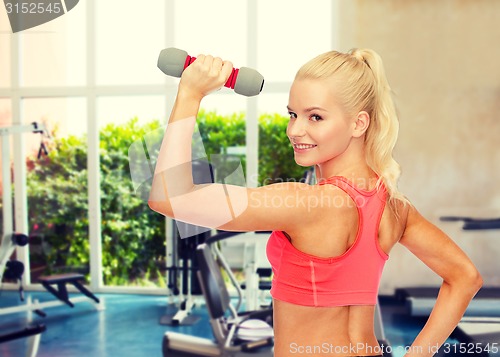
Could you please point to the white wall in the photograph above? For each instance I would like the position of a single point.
(441, 58)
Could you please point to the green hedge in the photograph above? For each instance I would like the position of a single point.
(133, 236)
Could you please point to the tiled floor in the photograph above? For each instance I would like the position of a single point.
(129, 326)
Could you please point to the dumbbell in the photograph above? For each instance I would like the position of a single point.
(245, 81)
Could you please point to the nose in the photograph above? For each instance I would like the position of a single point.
(296, 128)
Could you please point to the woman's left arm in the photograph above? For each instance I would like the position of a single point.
(461, 280)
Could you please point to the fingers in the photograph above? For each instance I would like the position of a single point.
(227, 69)
(217, 63)
(215, 66)
(206, 75)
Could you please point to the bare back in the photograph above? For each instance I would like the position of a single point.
(339, 330)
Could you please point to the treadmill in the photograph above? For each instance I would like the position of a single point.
(478, 332)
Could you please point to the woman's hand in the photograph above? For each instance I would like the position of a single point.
(205, 75)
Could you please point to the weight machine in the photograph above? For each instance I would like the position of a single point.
(13, 269)
(10, 268)
(181, 263)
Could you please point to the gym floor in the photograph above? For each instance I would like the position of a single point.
(129, 326)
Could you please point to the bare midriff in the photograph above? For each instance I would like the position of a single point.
(324, 331)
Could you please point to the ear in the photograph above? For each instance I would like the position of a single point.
(361, 124)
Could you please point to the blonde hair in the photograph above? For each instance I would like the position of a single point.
(361, 85)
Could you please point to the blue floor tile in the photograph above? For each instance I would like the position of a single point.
(129, 326)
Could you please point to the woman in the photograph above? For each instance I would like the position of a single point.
(330, 241)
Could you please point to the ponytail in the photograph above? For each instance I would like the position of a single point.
(362, 85)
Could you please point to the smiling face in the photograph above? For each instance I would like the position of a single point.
(318, 129)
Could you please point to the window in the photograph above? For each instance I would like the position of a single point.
(54, 54)
(57, 186)
(129, 37)
(132, 236)
(291, 33)
(93, 70)
(4, 50)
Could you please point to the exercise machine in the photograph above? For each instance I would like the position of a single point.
(479, 330)
(10, 268)
(420, 301)
(240, 334)
(13, 269)
(482, 330)
(181, 275)
(181, 262)
(486, 304)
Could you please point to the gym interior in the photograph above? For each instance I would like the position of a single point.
(88, 269)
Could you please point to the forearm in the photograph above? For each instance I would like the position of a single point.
(173, 172)
(175, 149)
(186, 105)
(450, 306)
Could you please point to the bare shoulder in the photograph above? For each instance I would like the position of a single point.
(393, 224)
(435, 248)
(326, 220)
(415, 221)
(420, 234)
(286, 205)
(302, 196)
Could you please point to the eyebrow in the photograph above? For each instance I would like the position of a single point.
(307, 110)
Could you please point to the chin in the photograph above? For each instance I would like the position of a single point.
(305, 163)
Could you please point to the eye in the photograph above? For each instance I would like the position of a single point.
(292, 115)
(315, 117)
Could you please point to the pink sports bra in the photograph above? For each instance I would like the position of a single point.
(352, 278)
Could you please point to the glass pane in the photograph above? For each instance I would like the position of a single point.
(224, 103)
(289, 34)
(222, 124)
(5, 120)
(5, 29)
(5, 36)
(57, 186)
(276, 158)
(131, 35)
(120, 110)
(54, 54)
(274, 103)
(220, 33)
(133, 236)
(5, 112)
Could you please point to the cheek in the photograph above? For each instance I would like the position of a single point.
(335, 134)
(335, 139)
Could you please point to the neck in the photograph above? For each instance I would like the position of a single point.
(359, 170)
(351, 164)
